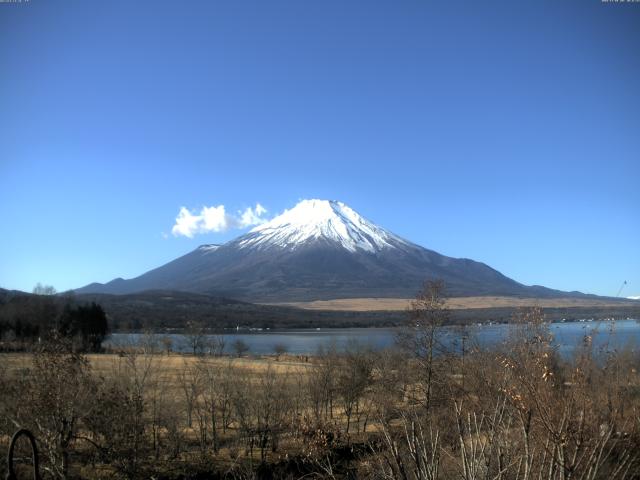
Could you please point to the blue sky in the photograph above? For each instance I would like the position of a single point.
(506, 132)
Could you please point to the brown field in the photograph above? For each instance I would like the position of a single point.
(170, 366)
(141, 413)
(455, 303)
(170, 375)
(169, 370)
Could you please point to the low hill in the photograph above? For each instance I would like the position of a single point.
(162, 310)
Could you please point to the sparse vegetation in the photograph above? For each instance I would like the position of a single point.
(516, 412)
(522, 413)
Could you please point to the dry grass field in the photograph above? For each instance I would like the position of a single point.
(455, 303)
(167, 382)
(170, 367)
(143, 412)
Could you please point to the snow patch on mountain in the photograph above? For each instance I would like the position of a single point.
(208, 248)
(636, 297)
(327, 220)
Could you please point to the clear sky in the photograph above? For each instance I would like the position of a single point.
(503, 131)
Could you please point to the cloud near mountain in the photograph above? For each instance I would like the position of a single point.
(216, 219)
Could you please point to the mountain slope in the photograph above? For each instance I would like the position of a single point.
(319, 250)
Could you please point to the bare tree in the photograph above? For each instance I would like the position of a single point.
(189, 379)
(41, 289)
(54, 400)
(322, 382)
(279, 349)
(121, 424)
(167, 343)
(412, 454)
(196, 337)
(261, 409)
(419, 338)
(389, 385)
(354, 377)
(240, 347)
(215, 345)
(211, 388)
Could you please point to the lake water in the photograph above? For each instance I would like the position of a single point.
(607, 335)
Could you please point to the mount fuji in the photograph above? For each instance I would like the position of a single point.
(319, 250)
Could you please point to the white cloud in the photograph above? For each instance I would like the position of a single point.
(215, 219)
(252, 217)
(212, 219)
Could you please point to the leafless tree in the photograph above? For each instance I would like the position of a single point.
(167, 344)
(412, 454)
(280, 349)
(240, 347)
(419, 338)
(41, 289)
(120, 425)
(196, 337)
(354, 377)
(215, 345)
(54, 400)
(322, 382)
(189, 379)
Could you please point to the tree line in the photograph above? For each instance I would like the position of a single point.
(26, 320)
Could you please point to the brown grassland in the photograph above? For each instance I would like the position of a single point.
(455, 303)
(174, 363)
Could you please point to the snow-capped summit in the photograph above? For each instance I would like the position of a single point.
(324, 220)
(319, 250)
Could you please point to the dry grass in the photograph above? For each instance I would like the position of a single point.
(456, 303)
(170, 366)
(394, 391)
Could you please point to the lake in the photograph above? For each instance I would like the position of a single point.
(607, 335)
